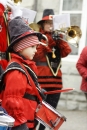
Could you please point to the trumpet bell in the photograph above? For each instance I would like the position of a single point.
(73, 35)
(74, 31)
(35, 27)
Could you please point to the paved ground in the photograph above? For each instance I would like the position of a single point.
(76, 120)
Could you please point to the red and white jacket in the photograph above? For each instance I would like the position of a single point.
(81, 66)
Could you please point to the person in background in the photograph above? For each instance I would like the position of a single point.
(4, 38)
(21, 95)
(81, 66)
(48, 60)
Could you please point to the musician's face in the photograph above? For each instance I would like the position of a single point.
(48, 25)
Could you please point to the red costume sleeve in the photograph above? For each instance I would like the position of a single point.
(62, 45)
(81, 64)
(64, 48)
(3, 36)
(14, 92)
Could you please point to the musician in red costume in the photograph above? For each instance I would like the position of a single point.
(48, 60)
(3, 35)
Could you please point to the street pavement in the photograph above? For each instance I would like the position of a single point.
(76, 120)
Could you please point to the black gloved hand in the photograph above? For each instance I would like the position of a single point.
(55, 35)
(21, 127)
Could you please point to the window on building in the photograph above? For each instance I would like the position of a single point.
(77, 10)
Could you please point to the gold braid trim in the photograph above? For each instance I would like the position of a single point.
(54, 73)
(6, 22)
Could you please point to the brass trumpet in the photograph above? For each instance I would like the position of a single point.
(71, 35)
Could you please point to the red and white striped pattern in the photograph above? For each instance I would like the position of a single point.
(26, 42)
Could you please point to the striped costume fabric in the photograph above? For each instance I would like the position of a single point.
(26, 42)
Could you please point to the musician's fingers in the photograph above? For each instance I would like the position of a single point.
(16, 11)
(9, 5)
(10, 2)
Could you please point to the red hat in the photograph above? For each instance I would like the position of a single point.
(47, 15)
